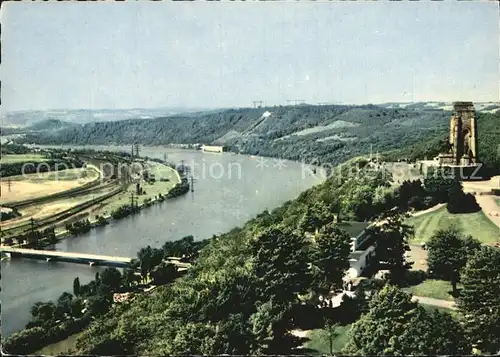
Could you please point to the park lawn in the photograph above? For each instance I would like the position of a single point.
(497, 200)
(475, 224)
(13, 158)
(432, 288)
(319, 341)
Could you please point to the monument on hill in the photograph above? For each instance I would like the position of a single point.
(462, 150)
(462, 154)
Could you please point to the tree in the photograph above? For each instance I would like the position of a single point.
(234, 336)
(280, 264)
(448, 253)
(129, 278)
(479, 300)
(437, 183)
(395, 325)
(164, 273)
(149, 258)
(433, 333)
(97, 340)
(331, 257)
(76, 286)
(64, 304)
(43, 312)
(332, 334)
(410, 192)
(111, 277)
(22, 342)
(185, 247)
(270, 324)
(76, 307)
(391, 242)
(191, 338)
(316, 216)
(99, 304)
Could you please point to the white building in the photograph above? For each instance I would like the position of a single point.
(362, 248)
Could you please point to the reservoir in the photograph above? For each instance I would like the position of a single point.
(229, 189)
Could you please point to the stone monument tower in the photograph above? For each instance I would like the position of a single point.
(463, 136)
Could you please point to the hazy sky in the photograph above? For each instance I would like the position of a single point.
(156, 54)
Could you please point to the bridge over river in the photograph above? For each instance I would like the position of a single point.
(81, 258)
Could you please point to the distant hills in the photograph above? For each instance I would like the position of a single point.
(82, 116)
(313, 133)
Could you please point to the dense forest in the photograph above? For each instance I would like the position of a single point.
(316, 134)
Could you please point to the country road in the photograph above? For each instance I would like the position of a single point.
(435, 302)
(431, 209)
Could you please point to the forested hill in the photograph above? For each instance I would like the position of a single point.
(329, 133)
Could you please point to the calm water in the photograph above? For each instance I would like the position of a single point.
(229, 190)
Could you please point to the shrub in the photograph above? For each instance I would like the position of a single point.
(413, 277)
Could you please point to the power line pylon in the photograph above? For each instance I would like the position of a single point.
(192, 183)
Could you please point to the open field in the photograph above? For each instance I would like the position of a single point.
(432, 288)
(43, 184)
(12, 159)
(320, 342)
(48, 209)
(475, 224)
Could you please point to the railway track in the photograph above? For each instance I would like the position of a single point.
(62, 215)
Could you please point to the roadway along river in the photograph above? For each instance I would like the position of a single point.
(229, 189)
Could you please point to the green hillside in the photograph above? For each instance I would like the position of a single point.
(292, 132)
(316, 134)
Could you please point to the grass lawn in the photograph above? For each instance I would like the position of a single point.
(12, 158)
(437, 289)
(320, 342)
(475, 224)
(497, 200)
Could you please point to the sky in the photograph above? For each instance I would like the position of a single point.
(118, 55)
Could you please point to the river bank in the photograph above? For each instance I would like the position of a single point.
(114, 201)
(219, 203)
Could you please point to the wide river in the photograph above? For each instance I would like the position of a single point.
(229, 189)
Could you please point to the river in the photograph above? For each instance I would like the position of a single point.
(229, 189)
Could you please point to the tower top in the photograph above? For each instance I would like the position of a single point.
(463, 106)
